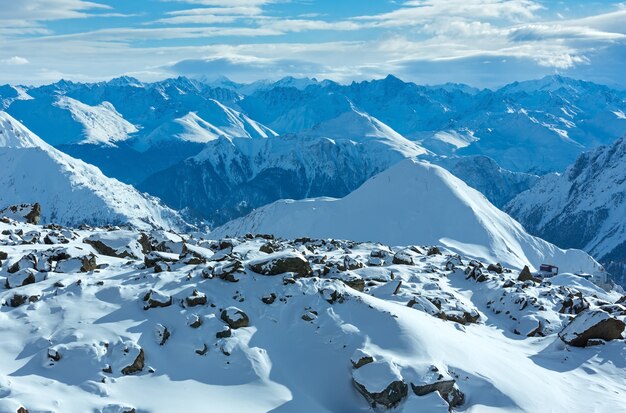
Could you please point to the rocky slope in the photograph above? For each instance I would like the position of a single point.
(70, 191)
(582, 208)
(118, 321)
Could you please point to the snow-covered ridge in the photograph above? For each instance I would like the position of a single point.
(70, 191)
(413, 202)
(102, 124)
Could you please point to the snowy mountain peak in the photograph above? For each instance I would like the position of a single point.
(413, 202)
(360, 126)
(14, 135)
(125, 81)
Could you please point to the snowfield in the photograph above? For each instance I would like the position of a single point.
(338, 325)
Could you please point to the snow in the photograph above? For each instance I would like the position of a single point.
(70, 191)
(281, 362)
(214, 120)
(413, 202)
(376, 376)
(102, 124)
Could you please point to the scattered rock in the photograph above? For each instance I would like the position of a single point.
(269, 299)
(361, 358)
(235, 318)
(497, 268)
(54, 354)
(155, 299)
(433, 251)
(225, 333)
(196, 298)
(27, 213)
(161, 333)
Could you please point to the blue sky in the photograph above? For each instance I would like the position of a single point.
(479, 42)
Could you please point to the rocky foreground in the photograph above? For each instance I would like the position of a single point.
(118, 320)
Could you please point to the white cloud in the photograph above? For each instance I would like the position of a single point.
(15, 61)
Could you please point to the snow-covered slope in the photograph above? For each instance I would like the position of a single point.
(208, 123)
(101, 124)
(188, 324)
(585, 207)
(70, 191)
(413, 202)
(232, 176)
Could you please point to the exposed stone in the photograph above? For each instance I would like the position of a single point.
(526, 275)
(281, 263)
(136, 366)
(446, 388)
(155, 299)
(389, 396)
(235, 318)
(269, 299)
(196, 298)
(225, 333)
(433, 251)
(592, 324)
(497, 268)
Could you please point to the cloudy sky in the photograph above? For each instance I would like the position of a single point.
(479, 42)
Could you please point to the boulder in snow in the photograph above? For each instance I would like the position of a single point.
(235, 318)
(592, 325)
(380, 383)
(281, 263)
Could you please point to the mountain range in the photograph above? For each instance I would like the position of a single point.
(216, 149)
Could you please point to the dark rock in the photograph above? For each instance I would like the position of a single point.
(592, 324)
(196, 298)
(497, 268)
(225, 333)
(282, 263)
(137, 365)
(269, 299)
(446, 388)
(526, 275)
(235, 318)
(388, 397)
(19, 299)
(27, 261)
(155, 299)
(229, 270)
(433, 251)
(203, 351)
